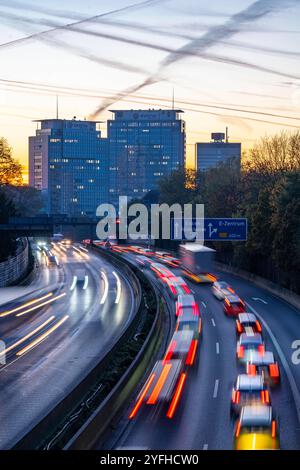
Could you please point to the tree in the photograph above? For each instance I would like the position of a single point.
(178, 187)
(7, 209)
(276, 155)
(10, 169)
(285, 226)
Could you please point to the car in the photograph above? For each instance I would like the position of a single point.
(177, 286)
(249, 390)
(221, 289)
(190, 322)
(52, 261)
(186, 303)
(182, 346)
(264, 364)
(256, 429)
(143, 260)
(233, 305)
(249, 342)
(163, 388)
(171, 261)
(161, 271)
(247, 323)
(145, 251)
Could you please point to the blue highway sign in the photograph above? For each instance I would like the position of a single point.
(217, 229)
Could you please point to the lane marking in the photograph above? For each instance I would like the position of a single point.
(283, 360)
(213, 322)
(193, 292)
(205, 447)
(216, 388)
(203, 303)
(217, 348)
(260, 300)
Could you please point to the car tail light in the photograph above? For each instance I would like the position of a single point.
(236, 396)
(238, 429)
(173, 290)
(192, 353)
(227, 302)
(142, 396)
(251, 369)
(274, 371)
(240, 352)
(170, 351)
(273, 428)
(265, 397)
(186, 289)
(176, 397)
(199, 326)
(196, 310)
(261, 349)
(258, 326)
(239, 327)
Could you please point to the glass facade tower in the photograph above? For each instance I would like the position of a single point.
(144, 145)
(68, 162)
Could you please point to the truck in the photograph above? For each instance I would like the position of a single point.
(197, 262)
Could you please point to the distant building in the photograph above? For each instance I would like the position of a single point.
(210, 154)
(68, 162)
(144, 145)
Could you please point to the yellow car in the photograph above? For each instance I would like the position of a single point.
(256, 429)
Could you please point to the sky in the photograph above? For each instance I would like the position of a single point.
(233, 63)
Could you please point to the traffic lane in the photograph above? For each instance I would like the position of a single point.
(36, 381)
(284, 322)
(202, 419)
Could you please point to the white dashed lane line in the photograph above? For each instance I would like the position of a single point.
(216, 388)
(217, 348)
(213, 322)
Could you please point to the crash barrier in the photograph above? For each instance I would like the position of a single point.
(97, 425)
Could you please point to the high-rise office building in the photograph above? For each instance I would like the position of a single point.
(68, 162)
(144, 145)
(210, 154)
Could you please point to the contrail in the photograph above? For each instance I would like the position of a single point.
(136, 42)
(255, 11)
(132, 6)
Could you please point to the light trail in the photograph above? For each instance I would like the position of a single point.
(105, 293)
(31, 302)
(42, 337)
(41, 305)
(119, 288)
(73, 283)
(13, 346)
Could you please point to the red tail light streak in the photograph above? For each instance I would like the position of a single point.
(176, 397)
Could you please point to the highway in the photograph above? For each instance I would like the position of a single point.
(202, 420)
(51, 344)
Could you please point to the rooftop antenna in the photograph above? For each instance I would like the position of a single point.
(56, 106)
(173, 99)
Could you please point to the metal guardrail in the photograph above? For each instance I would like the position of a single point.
(96, 426)
(51, 421)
